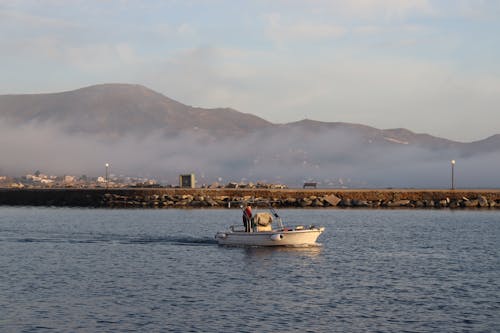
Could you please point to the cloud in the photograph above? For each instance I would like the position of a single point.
(186, 30)
(280, 31)
(99, 56)
(14, 17)
(377, 9)
(477, 10)
(90, 58)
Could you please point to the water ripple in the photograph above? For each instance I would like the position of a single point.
(75, 270)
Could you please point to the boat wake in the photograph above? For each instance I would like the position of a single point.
(118, 239)
(174, 240)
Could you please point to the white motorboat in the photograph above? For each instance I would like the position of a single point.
(262, 233)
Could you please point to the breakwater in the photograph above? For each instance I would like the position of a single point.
(230, 198)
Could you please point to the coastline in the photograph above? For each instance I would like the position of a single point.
(229, 198)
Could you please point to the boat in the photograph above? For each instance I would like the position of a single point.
(268, 230)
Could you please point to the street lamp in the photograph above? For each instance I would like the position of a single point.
(107, 170)
(453, 174)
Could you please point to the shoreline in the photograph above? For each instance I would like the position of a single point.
(164, 198)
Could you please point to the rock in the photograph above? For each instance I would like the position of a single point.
(360, 203)
(332, 200)
(398, 203)
(403, 202)
(483, 202)
(443, 203)
(345, 202)
(211, 202)
(317, 203)
(419, 204)
(492, 203)
(471, 203)
(197, 203)
(305, 202)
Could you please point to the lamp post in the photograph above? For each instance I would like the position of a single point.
(107, 170)
(453, 174)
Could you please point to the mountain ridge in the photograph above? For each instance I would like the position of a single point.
(119, 109)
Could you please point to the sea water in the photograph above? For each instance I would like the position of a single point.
(95, 270)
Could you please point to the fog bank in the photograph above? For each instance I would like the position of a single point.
(333, 158)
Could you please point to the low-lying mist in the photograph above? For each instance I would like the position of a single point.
(333, 158)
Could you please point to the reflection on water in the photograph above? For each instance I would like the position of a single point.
(307, 250)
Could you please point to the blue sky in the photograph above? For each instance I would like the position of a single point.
(429, 66)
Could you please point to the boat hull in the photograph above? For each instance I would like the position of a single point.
(306, 237)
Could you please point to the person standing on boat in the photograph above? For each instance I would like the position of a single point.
(247, 218)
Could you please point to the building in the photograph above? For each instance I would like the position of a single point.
(69, 179)
(187, 181)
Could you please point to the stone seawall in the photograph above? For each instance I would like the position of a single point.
(230, 198)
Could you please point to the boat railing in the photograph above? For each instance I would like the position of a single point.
(279, 222)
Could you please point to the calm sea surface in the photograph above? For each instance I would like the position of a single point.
(92, 270)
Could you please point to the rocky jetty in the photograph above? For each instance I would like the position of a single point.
(313, 201)
(231, 198)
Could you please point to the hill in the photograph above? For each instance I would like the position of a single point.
(120, 109)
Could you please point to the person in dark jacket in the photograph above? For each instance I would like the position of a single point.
(247, 218)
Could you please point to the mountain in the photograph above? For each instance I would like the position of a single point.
(400, 136)
(143, 132)
(119, 109)
(122, 109)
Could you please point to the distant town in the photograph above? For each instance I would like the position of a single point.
(41, 180)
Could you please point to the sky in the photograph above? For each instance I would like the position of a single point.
(428, 66)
